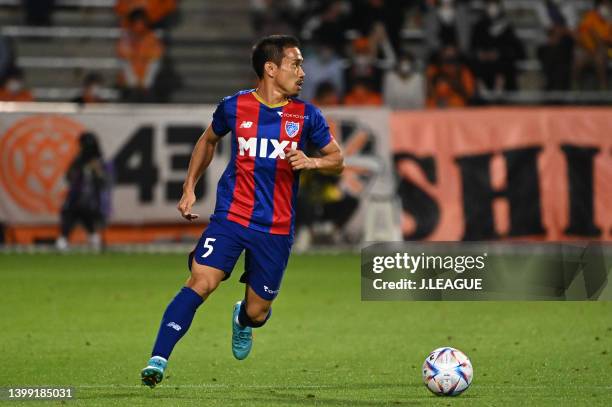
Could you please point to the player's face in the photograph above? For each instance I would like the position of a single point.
(290, 76)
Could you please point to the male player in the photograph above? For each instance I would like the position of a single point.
(256, 197)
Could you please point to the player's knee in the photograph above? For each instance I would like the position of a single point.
(201, 284)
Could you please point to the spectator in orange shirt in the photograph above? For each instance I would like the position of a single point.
(450, 83)
(140, 52)
(157, 10)
(595, 42)
(13, 89)
(362, 94)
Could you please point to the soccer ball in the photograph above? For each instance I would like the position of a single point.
(447, 372)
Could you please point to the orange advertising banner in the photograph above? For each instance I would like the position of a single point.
(511, 173)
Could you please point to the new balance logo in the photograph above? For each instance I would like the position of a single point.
(174, 326)
(246, 125)
(259, 147)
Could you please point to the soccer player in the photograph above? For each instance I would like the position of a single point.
(256, 197)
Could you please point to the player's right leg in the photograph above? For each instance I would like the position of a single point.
(211, 262)
(178, 317)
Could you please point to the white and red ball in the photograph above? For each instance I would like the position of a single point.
(447, 372)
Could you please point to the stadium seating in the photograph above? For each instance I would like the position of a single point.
(208, 48)
(208, 45)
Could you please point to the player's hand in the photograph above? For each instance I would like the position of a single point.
(300, 161)
(185, 204)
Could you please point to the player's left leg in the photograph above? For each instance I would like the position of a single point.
(252, 312)
(266, 259)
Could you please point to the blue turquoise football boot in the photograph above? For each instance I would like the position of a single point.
(242, 337)
(154, 372)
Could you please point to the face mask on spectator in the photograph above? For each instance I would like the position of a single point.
(404, 68)
(447, 14)
(95, 90)
(14, 85)
(362, 60)
(493, 10)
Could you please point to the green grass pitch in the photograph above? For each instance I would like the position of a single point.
(89, 321)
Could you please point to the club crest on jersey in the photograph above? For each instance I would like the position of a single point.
(292, 128)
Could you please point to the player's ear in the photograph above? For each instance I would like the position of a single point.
(270, 69)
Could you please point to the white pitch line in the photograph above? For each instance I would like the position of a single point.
(298, 387)
(206, 386)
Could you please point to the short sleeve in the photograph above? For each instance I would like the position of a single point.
(219, 122)
(319, 133)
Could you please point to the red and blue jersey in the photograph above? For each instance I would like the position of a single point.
(258, 189)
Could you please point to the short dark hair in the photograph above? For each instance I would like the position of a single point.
(92, 78)
(271, 48)
(138, 14)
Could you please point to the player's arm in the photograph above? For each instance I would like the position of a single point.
(200, 159)
(331, 160)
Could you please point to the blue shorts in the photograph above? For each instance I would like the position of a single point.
(266, 254)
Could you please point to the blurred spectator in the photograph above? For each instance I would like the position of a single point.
(369, 58)
(497, 50)
(157, 10)
(92, 90)
(323, 65)
(328, 25)
(326, 95)
(276, 16)
(87, 182)
(404, 87)
(7, 56)
(363, 94)
(447, 23)
(140, 52)
(595, 42)
(557, 55)
(387, 13)
(450, 82)
(14, 88)
(38, 12)
(362, 63)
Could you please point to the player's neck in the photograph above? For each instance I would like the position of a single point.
(270, 96)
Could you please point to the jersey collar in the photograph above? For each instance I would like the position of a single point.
(260, 100)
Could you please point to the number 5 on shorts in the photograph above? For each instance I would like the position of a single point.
(208, 245)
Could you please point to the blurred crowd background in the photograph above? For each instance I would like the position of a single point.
(405, 54)
(415, 167)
